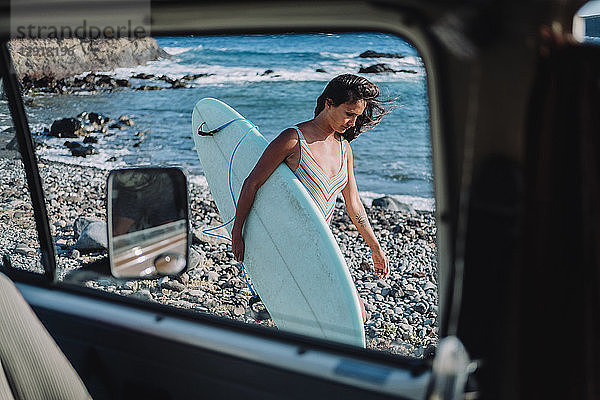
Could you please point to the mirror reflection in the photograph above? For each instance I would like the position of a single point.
(147, 212)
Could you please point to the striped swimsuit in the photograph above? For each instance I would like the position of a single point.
(322, 188)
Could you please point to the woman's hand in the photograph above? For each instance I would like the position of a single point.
(237, 246)
(381, 263)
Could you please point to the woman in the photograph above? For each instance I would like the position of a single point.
(319, 154)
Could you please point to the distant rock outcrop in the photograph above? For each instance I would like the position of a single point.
(63, 58)
(374, 54)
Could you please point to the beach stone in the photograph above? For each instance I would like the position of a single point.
(421, 308)
(93, 237)
(238, 311)
(173, 285)
(162, 280)
(24, 250)
(129, 285)
(143, 294)
(81, 223)
(75, 253)
(196, 293)
(196, 258)
(184, 278)
(213, 276)
(365, 266)
(199, 236)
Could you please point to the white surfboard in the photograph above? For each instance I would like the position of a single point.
(291, 256)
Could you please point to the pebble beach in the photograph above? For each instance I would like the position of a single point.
(401, 310)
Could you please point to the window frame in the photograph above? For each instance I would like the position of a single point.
(209, 20)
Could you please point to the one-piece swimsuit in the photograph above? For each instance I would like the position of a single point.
(322, 188)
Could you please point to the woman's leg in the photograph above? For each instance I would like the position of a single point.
(363, 312)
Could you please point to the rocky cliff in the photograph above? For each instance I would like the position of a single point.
(55, 58)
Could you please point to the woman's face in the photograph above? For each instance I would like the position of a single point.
(343, 117)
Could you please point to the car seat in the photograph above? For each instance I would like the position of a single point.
(32, 365)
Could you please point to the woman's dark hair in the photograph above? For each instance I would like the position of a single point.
(351, 88)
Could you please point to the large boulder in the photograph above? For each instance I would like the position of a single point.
(65, 128)
(81, 223)
(93, 238)
(376, 69)
(390, 204)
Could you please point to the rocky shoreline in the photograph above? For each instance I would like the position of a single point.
(402, 310)
(44, 75)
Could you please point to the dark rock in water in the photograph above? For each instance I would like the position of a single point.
(93, 237)
(145, 87)
(90, 78)
(126, 120)
(143, 76)
(166, 79)
(83, 151)
(90, 139)
(122, 83)
(116, 125)
(391, 204)
(179, 85)
(376, 69)
(407, 71)
(374, 54)
(105, 80)
(320, 70)
(112, 159)
(71, 145)
(97, 118)
(193, 77)
(81, 223)
(66, 127)
(267, 72)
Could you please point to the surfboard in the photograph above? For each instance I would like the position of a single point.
(291, 256)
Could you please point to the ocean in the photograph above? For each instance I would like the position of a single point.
(394, 158)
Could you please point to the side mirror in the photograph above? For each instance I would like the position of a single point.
(148, 232)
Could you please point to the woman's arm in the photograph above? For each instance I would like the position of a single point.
(275, 153)
(358, 215)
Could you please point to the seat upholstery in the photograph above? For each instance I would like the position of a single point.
(33, 367)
